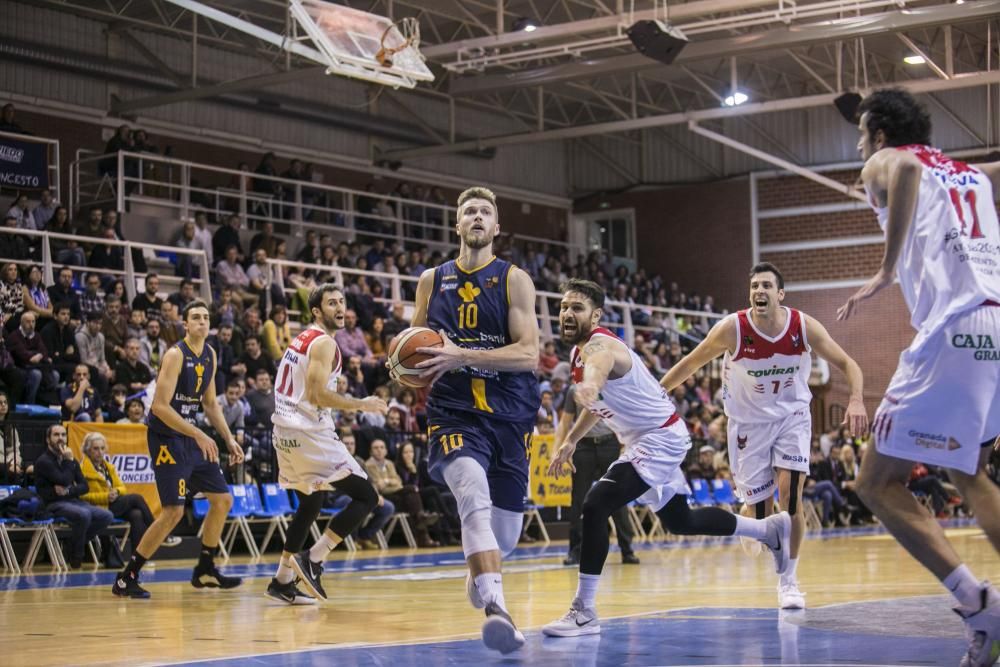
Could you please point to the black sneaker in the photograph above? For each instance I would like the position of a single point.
(572, 558)
(288, 593)
(127, 586)
(499, 631)
(309, 574)
(210, 577)
(630, 558)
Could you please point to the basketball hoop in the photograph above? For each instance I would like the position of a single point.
(409, 28)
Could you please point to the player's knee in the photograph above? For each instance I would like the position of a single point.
(172, 514)
(221, 501)
(595, 508)
(477, 533)
(368, 497)
(676, 516)
(506, 528)
(467, 481)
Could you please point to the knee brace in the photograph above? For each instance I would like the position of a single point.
(793, 493)
(506, 527)
(467, 481)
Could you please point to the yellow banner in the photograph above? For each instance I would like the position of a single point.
(544, 489)
(128, 452)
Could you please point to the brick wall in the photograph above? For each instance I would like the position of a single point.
(827, 263)
(818, 226)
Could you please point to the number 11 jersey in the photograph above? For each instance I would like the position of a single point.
(291, 409)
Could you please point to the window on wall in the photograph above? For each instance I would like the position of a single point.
(611, 231)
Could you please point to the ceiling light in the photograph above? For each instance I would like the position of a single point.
(735, 99)
(914, 60)
(524, 24)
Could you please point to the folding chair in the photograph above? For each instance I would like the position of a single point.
(532, 514)
(645, 513)
(42, 532)
(402, 520)
(259, 512)
(701, 493)
(722, 491)
(238, 517)
(275, 504)
(633, 519)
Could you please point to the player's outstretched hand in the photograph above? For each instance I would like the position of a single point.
(876, 284)
(207, 446)
(235, 452)
(563, 457)
(856, 418)
(373, 404)
(445, 358)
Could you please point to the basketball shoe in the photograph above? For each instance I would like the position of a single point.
(288, 593)
(982, 627)
(577, 622)
(210, 577)
(127, 586)
(789, 595)
(309, 573)
(778, 539)
(499, 631)
(473, 592)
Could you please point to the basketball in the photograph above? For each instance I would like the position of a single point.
(403, 355)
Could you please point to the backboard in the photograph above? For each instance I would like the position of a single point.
(352, 40)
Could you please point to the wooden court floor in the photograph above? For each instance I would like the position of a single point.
(416, 599)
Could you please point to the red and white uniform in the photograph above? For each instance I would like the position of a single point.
(766, 395)
(645, 420)
(944, 399)
(310, 455)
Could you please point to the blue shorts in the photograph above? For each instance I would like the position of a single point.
(500, 447)
(180, 467)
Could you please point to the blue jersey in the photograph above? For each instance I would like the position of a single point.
(472, 308)
(196, 372)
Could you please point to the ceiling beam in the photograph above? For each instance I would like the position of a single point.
(918, 86)
(777, 39)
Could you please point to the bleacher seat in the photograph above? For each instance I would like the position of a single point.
(42, 532)
(702, 495)
(722, 491)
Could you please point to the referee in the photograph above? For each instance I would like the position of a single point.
(593, 456)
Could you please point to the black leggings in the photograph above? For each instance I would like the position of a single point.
(363, 501)
(133, 508)
(621, 485)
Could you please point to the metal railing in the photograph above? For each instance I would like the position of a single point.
(55, 176)
(130, 276)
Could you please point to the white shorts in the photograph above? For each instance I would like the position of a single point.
(755, 450)
(311, 461)
(944, 400)
(657, 457)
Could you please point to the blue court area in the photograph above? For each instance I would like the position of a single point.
(684, 637)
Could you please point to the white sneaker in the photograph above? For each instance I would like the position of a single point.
(577, 622)
(778, 539)
(982, 627)
(789, 596)
(499, 631)
(473, 592)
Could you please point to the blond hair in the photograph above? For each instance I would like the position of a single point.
(477, 192)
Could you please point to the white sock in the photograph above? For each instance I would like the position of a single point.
(285, 572)
(964, 586)
(747, 527)
(789, 575)
(586, 590)
(324, 545)
(490, 587)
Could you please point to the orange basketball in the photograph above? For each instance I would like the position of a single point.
(403, 355)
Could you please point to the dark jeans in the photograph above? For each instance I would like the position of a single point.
(931, 485)
(827, 493)
(133, 508)
(86, 521)
(376, 520)
(592, 458)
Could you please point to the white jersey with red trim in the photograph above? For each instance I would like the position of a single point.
(950, 260)
(632, 405)
(291, 409)
(768, 378)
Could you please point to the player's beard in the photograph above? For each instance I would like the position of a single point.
(329, 324)
(476, 242)
(575, 337)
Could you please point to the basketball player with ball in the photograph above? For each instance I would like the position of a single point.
(483, 400)
(765, 391)
(311, 458)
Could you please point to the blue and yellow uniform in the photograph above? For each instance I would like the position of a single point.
(486, 414)
(177, 460)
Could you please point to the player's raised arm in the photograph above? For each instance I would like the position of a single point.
(720, 338)
(321, 357)
(213, 412)
(518, 356)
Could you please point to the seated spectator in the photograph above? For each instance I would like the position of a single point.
(229, 273)
(376, 339)
(90, 343)
(115, 408)
(31, 356)
(135, 412)
(188, 266)
(64, 251)
(7, 122)
(547, 360)
(106, 490)
(80, 403)
(265, 239)
(14, 467)
(45, 209)
(447, 530)
(261, 399)
(204, 235)
(822, 491)
(225, 356)
(365, 535)
(149, 301)
(131, 372)
(152, 346)
(183, 296)
(405, 402)
(11, 296)
(36, 298)
(114, 326)
(135, 327)
(20, 211)
(277, 334)
(60, 340)
(355, 378)
(63, 292)
(704, 467)
(92, 301)
(226, 236)
(547, 410)
(14, 246)
(848, 486)
(61, 484)
(171, 324)
(232, 410)
(922, 480)
(106, 256)
(386, 480)
(255, 361)
(227, 309)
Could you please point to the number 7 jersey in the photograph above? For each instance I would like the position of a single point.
(768, 378)
(291, 409)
